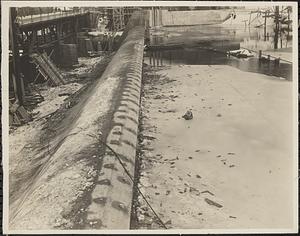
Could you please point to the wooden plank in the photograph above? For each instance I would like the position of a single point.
(54, 68)
(46, 69)
(24, 114)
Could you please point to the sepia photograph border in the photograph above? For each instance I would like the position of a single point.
(5, 5)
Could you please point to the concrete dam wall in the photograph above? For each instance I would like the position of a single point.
(175, 18)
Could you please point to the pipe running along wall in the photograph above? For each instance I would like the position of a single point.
(115, 187)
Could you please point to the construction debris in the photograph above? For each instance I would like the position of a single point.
(47, 69)
(17, 114)
(241, 53)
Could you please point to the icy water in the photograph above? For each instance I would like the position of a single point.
(194, 56)
(227, 167)
(196, 44)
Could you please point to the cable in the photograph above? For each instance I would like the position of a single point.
(131, 178)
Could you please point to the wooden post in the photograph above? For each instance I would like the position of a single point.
(16, 60)
(160, 16)
(154, 16)
(161, 58)
(58, 31)
(76, 30)
(276, 27)
(265, 27)
(259, 54)
(44, 35)
(110, 37)
(277, 62)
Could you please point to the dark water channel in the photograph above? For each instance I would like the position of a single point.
(196, 56)
(208, 44)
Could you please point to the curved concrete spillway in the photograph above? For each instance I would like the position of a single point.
(112, 196)
(59, 196)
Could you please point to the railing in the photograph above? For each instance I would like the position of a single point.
(260, 55)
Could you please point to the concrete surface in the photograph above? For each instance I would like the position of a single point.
(67, 191)
(112, 196)
(237, 151)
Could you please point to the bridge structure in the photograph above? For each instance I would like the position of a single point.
(35, 30)
(44, 31)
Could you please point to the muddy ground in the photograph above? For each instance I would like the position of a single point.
(230, 165)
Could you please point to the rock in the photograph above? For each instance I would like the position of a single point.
(188, 115)
(192, 189)
(141, 217)
(148, 215)
(211, 202)
(206, 191)
(198, 176)
(219, 115)
(158, 97)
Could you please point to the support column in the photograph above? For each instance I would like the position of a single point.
(18, 83)
(76, 30)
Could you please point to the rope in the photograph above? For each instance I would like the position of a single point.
(131, 178)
